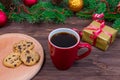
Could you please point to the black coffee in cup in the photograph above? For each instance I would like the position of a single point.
(63, 39)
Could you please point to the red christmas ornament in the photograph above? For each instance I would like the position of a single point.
(30, 3)
(3, 18)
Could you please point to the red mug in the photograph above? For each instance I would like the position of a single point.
(64, 57)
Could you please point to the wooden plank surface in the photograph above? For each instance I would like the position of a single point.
(99, 65)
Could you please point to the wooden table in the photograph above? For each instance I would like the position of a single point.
(98, 65)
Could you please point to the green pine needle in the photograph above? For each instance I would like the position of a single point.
(101, 8)
(83, 15)
(116, 24)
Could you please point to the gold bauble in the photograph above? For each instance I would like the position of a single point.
(75, 5)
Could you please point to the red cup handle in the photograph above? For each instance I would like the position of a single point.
(84, 45)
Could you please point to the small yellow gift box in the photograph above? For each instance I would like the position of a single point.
(99, 35)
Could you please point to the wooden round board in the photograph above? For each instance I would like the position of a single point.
(21, 72)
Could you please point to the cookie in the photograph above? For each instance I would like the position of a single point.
(22, 45)
(29, 57)
(12, 60)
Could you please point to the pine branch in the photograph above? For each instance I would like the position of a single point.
(43, 11)
(113, 4)
(83, 15)
(111, 17)
(101, 8)
(2, 7)
(116, 24)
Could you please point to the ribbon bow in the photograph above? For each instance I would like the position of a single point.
(98, 17)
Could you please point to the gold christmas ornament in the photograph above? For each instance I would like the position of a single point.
(75, 5)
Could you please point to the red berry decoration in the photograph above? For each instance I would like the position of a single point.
(3, 18)
(29, 3)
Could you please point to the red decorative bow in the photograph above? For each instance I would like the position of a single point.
(98, 17)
